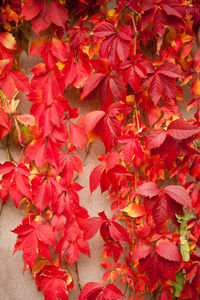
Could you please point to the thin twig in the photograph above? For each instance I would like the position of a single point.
(1, 209)
(75, 276)
(8, 149)
(136, 33)
(87, 152)
(138, 128)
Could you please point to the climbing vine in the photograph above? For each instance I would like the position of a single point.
(137, 58)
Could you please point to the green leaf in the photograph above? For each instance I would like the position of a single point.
(179, 284)
(184, 248)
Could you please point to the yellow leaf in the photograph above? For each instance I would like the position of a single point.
(185, 38)
(171, 35)
(196, 87)
(60, 65)
(134, 210)
(130, 99)
(38, 266)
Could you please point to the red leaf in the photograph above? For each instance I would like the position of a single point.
(31, 9)
(89, 289)
(112, 159)
(28, 236)
(45, 14)
(118, 233)
(141, 251)
(104, 29)
(77, 135)
(71, 230)
(5, 124)
(160, 212)
(58, 14)
(180, 129)
(92, 82)
(91, 227)
(92, 118)
(173, 8)
(95, 177)
(111, 292)
(118, 88)
(148, 189)
(156, 138)
(83, 246)
(156, 88)
(167, 250)
(7, 167)
(178, 194)
(53, 282)
(72, 253)
(170, 70)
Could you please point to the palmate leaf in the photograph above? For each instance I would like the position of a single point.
(148, 189)
(42, 14)
(167, 249)
(32, 237)
(163, 81)
(156, 138)
(105, 123)
(158, 15)
(54, 282)
(5, 124)
(15, 182)
(181, 129)
(105, 85)
(178, 194)
(160, 263)
(116, 45)
(94, 290)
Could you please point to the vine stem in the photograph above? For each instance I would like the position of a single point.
(1, 209)
(87, 152)
(76, 276)
(138, 128)
(136, 33)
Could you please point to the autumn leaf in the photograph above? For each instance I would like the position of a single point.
(134, 210)
(167, 250)
(141, 251)
(15, 182)
(148, 189)
(178, 194)
(54, 282)
(116, 45)
(43, 14)
(89, 289)
(163, 81)
(31, 237)
(5, 124)
(180, 129)
(156, 138)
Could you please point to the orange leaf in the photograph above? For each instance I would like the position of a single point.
(134, 210)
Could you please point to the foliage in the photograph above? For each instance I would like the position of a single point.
(137, 59)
